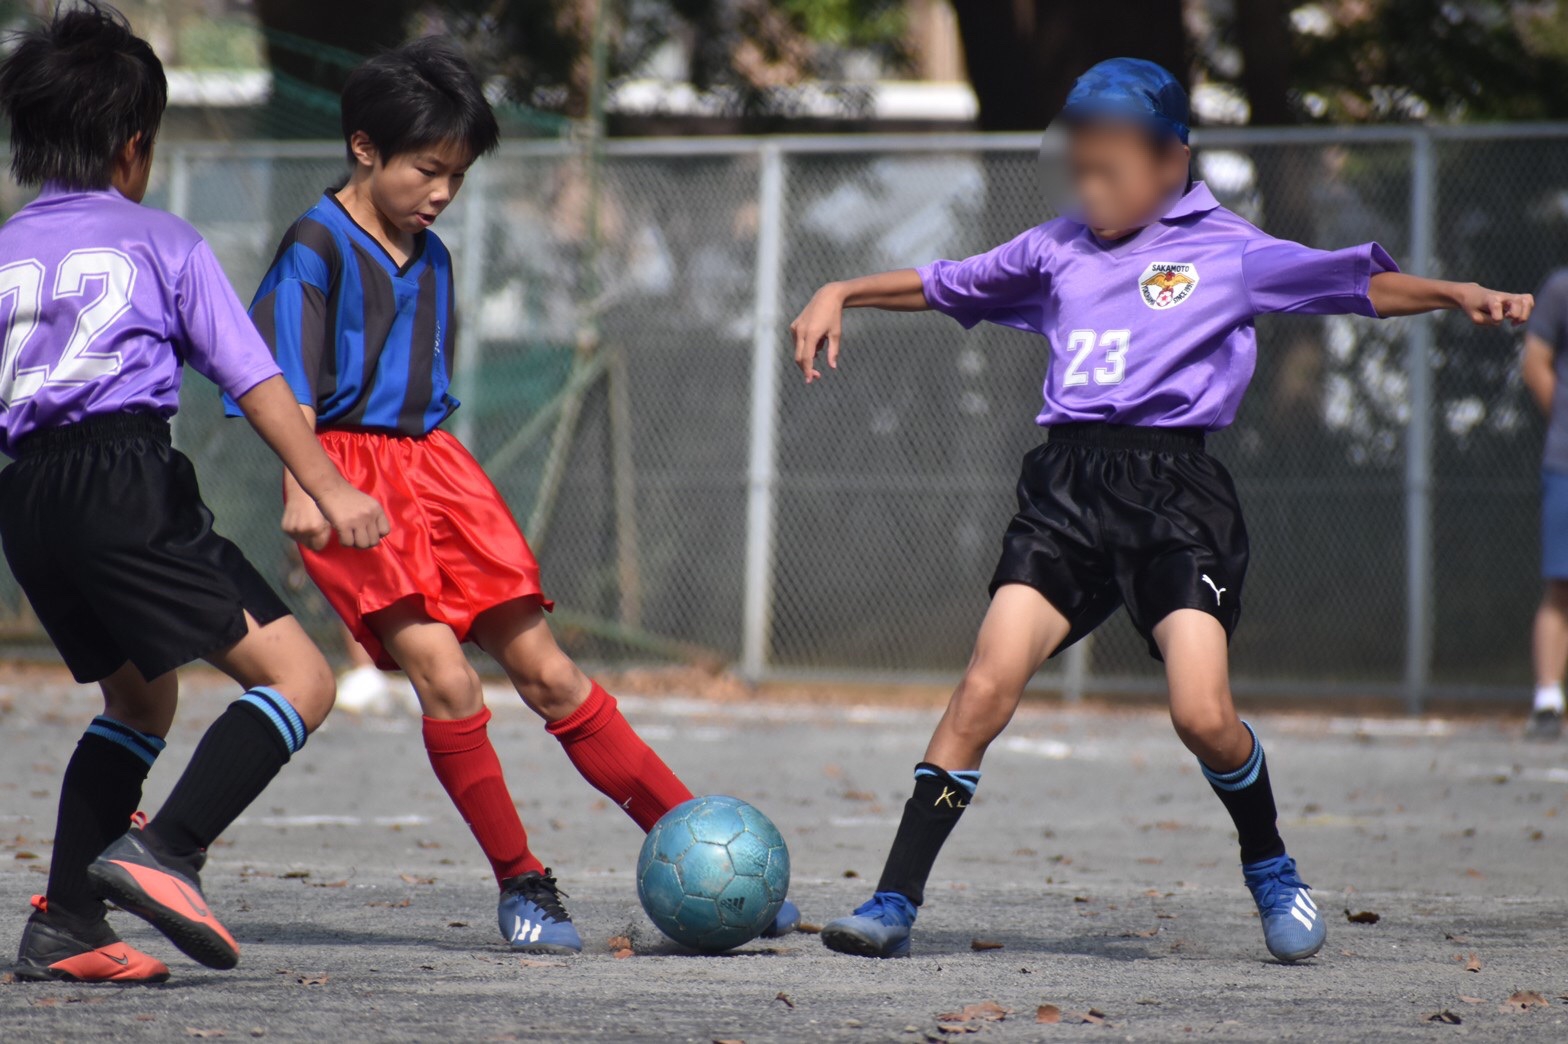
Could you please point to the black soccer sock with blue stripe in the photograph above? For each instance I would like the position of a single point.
(239, 755)
(930, 814)
(1249, 799)
(100, 792)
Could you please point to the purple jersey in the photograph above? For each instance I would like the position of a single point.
(101, 302)
(1156, 329)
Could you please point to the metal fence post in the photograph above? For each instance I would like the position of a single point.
(470, 294)
(761, 477)
(1418, 436)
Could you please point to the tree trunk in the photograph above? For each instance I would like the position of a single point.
(1264, 36)
(1023, 55)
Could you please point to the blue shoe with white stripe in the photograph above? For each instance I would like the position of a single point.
(879, 927)
(532, 918)
(1293, 928)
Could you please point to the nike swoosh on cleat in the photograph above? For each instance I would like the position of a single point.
(192, 900)
(121, 960)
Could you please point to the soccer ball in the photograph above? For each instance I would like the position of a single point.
(713, 873)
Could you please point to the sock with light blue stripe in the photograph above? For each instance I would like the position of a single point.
(101, 790)
(239, 755)
(1249, 798)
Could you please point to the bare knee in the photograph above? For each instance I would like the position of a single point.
(982, 706)
(1212, 731)
(552, 686)
(146, 706)
(448, 689)
(309, 687)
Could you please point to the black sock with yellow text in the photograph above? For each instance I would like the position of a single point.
(930, 814)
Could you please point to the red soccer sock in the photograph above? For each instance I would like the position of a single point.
(467, 766)
(611, 756)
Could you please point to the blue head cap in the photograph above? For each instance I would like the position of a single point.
(1130, 89)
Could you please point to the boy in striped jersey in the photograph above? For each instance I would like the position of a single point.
(358, 309)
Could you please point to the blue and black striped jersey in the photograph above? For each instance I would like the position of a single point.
(361, 339)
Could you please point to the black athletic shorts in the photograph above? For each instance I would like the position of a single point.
(1111, 515)
(106, 532)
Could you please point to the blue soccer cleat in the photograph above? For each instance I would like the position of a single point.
(879, 927)
(532, 918)
(1293, 928)
(784, 922)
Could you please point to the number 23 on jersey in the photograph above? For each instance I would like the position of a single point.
(22, 287)
(1100, 354)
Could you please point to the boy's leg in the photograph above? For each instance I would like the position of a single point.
(579, 713)
(1549, 653)
(1196, 653)
(456, 733)
(529, 912)
(154, 873)
(1020, 630)
(67, 936)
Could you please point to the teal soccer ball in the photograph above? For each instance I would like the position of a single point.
(713, 873)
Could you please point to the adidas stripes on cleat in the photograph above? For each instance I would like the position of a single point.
(879, 927)
(532, 917)
(1293, 928)
(59, 948)
(133, 877)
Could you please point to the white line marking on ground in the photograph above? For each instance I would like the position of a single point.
(288, 821)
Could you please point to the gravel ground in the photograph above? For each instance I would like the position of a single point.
(1095, 862)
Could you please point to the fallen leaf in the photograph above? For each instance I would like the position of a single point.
(1473, 964)
(312, 980)
(6, 978)
(416, 880)
(1523, 1000)
(1147, 933)
(1455, 938)
(1445, 1016)
(809, 928)
(401, 904)
(1363, 917)
(527, 963)
(1049, 1013)
(258, 1031)
(851, 873)
(985, 1011)
(457, 924)
(192, 1031)
(620, 942)
(1473, 872)
(979, 945)
(144, 1017)
(623, 953)
(783, 998)
(27, 855)
(1472, 1000)
(1349, 953)
(295, 874)
(329, 884)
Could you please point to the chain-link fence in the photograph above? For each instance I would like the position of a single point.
(625, 375)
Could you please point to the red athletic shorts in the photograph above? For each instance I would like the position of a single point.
(454, 544)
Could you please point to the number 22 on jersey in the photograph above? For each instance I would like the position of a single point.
(22, 287)
(1112, 365)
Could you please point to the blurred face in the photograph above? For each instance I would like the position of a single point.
(411, 190)
(1121, 178)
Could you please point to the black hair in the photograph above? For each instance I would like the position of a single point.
(421, 94)
(76, 90)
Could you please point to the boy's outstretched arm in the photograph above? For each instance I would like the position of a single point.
(820, 323)
(272, 410)
(1397, 293)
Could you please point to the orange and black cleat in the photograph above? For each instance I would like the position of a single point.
(59, 948)
(130, 875)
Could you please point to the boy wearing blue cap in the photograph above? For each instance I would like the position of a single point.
(1147, 297)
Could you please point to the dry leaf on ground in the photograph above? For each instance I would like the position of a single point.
(1472, 1000)
(1473, 964)
(620, 942)
(526, 963)
(1445, 1016)
(1363, 917)
(313, 980)
(985, 1011)
(1524, 1000)
(783, 998)
(192, 1031)
(984, 944)
(1048, 1013)
(809, 928)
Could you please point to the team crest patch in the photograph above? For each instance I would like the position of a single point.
(1166, 284)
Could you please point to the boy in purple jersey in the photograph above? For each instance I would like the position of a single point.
(102, 301)
(1147, 299)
